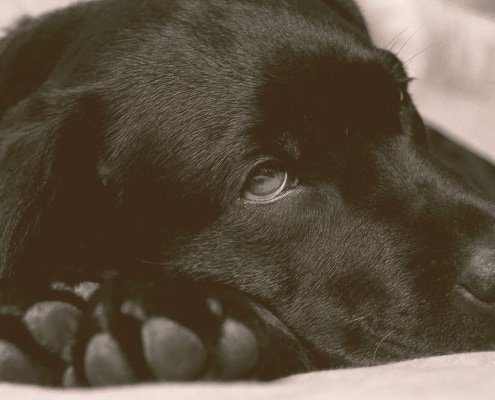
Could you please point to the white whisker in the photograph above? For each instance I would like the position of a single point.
(395, 40)
(409, 38)
(417, 54)
(380, 343)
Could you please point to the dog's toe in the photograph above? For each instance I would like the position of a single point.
(105, 363)
(17, 367)
(54, 324)
(237, 351)
(173, 352)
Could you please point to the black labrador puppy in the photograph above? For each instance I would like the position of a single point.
(226, 189)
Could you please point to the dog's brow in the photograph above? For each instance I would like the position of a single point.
(290, 145)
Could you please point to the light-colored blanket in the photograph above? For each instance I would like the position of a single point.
(452, 55)
(459, 377)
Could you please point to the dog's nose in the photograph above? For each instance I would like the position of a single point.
(478, 277)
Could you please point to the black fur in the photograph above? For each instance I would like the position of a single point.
(128, 129)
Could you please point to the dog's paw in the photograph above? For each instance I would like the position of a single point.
(165, 331)
(38, 332)
(125, 331)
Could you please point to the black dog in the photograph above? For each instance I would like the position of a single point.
(225, 189)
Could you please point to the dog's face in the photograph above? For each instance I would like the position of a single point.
(271, 147)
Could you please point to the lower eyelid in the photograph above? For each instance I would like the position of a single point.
(286, 192)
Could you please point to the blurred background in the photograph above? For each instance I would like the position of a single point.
(447, 45)
(487, 6)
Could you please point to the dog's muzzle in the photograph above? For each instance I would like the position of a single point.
(477, 279)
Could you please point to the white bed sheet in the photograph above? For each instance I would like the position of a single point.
(459, 377)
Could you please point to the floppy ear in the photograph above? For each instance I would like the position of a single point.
(50, 192)
(52, 200)
(31, 50)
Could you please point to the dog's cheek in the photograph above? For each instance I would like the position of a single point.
(344, 269)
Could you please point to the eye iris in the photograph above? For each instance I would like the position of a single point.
(267, 182)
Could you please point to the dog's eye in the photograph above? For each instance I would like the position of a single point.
(267, 181)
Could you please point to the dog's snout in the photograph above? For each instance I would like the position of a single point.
(478, 276)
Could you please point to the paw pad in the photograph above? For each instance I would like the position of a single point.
(54, 325)
(105, 363)
(238, 350)
(173, 352)
(18, 367)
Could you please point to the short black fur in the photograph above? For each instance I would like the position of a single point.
(128, 129)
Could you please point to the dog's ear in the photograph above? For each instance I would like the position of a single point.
(50, 191)
(52, 200)
(31, 50)
(349, 11)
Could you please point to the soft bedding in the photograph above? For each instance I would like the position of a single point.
(456, 95)
(468, 376)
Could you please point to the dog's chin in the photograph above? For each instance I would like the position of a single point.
(382, 349)
(391, 347)
(462, 324)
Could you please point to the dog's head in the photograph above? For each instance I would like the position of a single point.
(267, 146)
